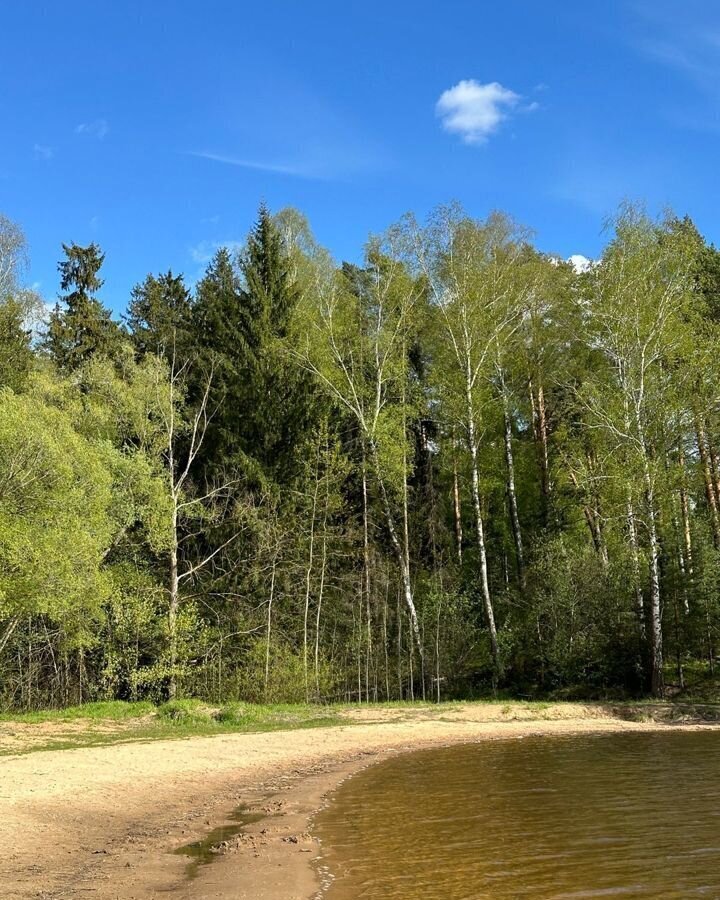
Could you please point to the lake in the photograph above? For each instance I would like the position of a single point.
(608, 815)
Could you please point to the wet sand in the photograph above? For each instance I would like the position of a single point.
(104, 822)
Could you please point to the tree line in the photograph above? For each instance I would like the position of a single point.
(459, 467)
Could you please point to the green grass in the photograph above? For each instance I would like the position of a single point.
(114, 722)
(174, 719)
(185, 712)
(105, 710)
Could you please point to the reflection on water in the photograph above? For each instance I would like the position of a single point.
(615, 815)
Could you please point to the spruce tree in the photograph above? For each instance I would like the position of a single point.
(262, 403)
(220, 318)
(159, 315)
(219, 330)
(270, 288)
(80, 326)
(284, 406)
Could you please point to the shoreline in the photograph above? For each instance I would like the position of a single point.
(105, 822)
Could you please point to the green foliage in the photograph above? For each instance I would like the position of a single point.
(262, 405)
(135, 635)
(583, 629)
(55, 521)
(304, 481)
(159, 316)
(16, 355)
(286, 682)
(80, 326)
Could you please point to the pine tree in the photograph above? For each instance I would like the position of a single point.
(80, 326)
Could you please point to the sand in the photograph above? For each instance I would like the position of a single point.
(103, 822)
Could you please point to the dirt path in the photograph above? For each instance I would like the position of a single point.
(103, 822)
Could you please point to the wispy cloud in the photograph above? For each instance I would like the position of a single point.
(276, 168)
(685, 41)
(99, 128)
(202, 252)
(40, 151)
(288, 130)
(682, 37)
(474, 110)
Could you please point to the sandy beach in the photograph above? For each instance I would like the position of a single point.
(104, 822)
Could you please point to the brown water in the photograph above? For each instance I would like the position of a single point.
(619, 815)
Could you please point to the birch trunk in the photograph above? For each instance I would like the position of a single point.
(656, 638)
(174, 604)
(269, 624)
(308, 579)
(707, 477)
(635, 556)
(512, 497)
(399, 553)
(685, 516)
(366, 579)
(8, 633)
(540, 436)
(479, 525)
(321, 587)
(457, 506)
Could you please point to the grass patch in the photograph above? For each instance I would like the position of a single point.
(145, 722)
(185, 712)
(105, 710)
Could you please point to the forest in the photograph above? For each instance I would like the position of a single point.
(461, 467)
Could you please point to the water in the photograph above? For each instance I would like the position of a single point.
(203, 852)
(617, 815)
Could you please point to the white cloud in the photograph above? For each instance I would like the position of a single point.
(580, 263)
(42, 152)
(99, 128)
(203, 252)
(474, 110)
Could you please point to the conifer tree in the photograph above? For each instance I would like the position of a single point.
(220, 332)
(280, 413)
(241, 320)
(80, 326)
(271, 293)
(159, 315)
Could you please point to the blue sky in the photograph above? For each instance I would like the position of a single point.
(155, 128)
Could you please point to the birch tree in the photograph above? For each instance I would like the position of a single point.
(354, 342)
(183, 440)
(472, 269)
(640, 301)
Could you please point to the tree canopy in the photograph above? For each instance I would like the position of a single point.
(455, 466)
